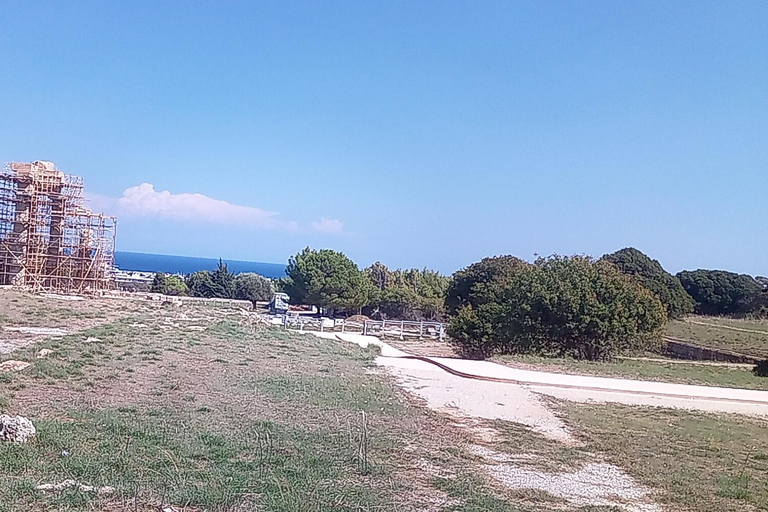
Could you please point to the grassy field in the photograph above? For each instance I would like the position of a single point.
(205, 411)
(697, 462)
(232, 417)
(743, 336)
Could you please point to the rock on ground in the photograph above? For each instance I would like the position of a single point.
(43, 353)
(16, 429)
(13, 366)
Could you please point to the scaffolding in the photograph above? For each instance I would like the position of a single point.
(48, 239)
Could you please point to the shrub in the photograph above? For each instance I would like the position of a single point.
(718, 292)
(220, 283)
(253, 287)
(652, 275)
(411, 294)
(562, 306)
(200, 284)
(168, 285)
(761, 368)
(481, 283)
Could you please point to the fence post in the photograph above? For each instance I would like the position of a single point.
(402, 330)
(442, 332)
(365, 327)
(322, 324)
(343, 324)
(421, 329)
(285, 321)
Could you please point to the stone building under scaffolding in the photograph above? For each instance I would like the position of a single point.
(48, 239)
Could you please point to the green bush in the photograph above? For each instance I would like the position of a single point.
(481, 283)
(562, 306)
(253, 287)
(718, 292)
(652, 275)
(168, 285)
(761, 368)
(411, 294)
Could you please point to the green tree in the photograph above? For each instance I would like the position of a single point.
(481, 283)
(652, 275)
(158, 283)
(200, 284)
(380, 275)
(168, 284)
(718, 292)
(326, 279)
(223, 282)
(410, 294)
(175, 285)
(253, 287)
(564, 306)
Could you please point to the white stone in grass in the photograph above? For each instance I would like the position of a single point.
(13, 366)
(16, 429)
(43, 353)
(69, 483)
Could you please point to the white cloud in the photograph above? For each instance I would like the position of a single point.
(329, 226)
(144, 201)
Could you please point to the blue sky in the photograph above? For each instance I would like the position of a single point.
(415, 133)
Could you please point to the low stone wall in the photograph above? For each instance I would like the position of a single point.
(681, 349)
(181, 300)
(217, 303)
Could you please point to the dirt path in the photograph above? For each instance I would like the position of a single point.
(575, 387)
(468, 389)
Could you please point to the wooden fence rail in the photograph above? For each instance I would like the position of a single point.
(382, 328)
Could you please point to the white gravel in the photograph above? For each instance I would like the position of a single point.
(595, 484)
(475, 398)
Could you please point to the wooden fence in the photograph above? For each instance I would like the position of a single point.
(382, 328)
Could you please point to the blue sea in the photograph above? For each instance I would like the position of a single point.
(186, 265)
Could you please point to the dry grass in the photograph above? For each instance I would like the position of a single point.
(230, 417)
(196, 408)
(743, 336)
(697, 462)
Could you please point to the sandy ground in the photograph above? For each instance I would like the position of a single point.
(481, 389)
(577, 388)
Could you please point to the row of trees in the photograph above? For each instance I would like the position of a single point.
(329, 280)
(584, 307)
(220, 283)
(556, 306)
(576, 305)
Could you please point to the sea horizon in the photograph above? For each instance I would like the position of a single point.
(172, 264)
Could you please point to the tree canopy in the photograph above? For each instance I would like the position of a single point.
(253, 287)
(219, 283)
(482, 282)
(652, 275)
(168, 284)
(326, 279)
(718, 292)
(410, 294)
(564, 306)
